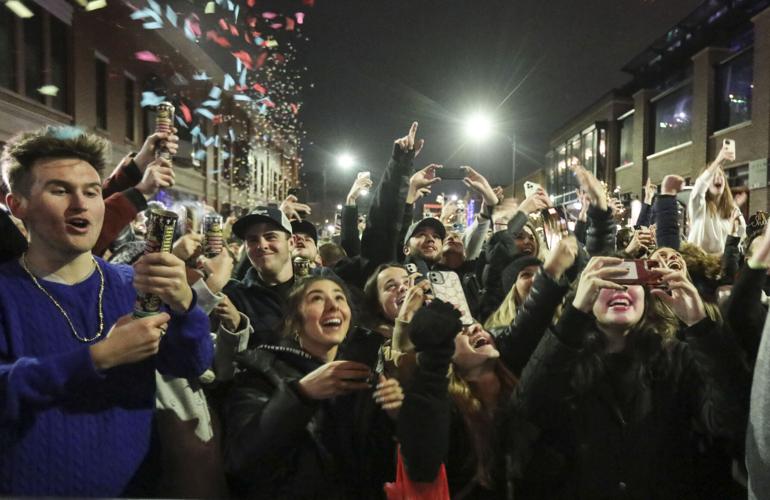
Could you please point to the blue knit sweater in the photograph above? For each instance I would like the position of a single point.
(66, 429)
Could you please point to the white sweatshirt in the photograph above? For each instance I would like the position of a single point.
(708, 231)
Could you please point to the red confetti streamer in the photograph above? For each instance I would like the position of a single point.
(294, 108)
(219, 40)
(289, 24)
(251, 3)
(276, 26)
(223, 24)
(147, 56)
(309, 3)
(186, 113)
(233, 30)
(245, 58)
(261, 59)
(259, 88)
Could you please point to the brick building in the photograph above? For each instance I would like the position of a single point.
(90, 60)
(705, 80)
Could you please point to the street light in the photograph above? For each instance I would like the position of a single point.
(480, 126)
(346, 160)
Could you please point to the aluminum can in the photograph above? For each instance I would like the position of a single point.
(160, 237)
(164, 119)
(213, 239)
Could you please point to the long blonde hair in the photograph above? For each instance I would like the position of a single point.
(724, 204)
(506, 312)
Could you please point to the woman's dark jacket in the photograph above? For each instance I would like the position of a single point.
(517, 341)
(620, 425)
(279, 444)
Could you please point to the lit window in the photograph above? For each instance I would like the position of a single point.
(734, 80)
(673, 119)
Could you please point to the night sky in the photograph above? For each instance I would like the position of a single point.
(376, 65)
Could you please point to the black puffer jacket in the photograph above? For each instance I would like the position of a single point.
(600, 236)
(263, 305)
(517, 341)
(280, 445)
(620, 425)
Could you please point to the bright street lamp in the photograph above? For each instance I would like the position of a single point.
(345, 160)
(480, 126)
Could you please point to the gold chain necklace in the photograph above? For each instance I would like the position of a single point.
(61, 309)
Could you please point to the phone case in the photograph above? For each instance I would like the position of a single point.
(530, 188)
(447, 287)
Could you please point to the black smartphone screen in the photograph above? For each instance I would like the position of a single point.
(450, 173)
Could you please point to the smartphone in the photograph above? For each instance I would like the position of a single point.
(451, 173)
(363, 346)
(445, 285)
(364, 175)
(639, 272)
(530, 188)
(555, 225)
(729, 145)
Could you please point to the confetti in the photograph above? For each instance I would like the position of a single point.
(147, 56)
(171, 16)
(300, 16)
(205, 113)
(186, 114)
(211, 7)
(51, 90)
(201, 76)
(151, 99)
(229, 82)
(215, 92)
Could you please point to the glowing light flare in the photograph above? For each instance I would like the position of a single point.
(346, 160)
(19, 9)
(479, 127)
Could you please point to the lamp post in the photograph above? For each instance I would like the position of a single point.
(479, 127)
(343, 161)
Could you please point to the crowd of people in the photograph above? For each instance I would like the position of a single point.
(405, 357)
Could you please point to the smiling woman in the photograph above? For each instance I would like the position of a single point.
(296, 411)
(613, 371)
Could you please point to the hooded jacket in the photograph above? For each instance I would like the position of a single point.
(620, 425)
(280, 444)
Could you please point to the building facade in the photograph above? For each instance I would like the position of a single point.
(706, 80)
(66, 66)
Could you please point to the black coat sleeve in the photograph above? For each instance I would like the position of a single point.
(546, 376)
(264, 424)
(644, 216)
(378, 243)
(518, 341)
(581, 227)
(717, 381)
(744, 312)
(731, 258)
(349, 240)
(667, 222)
(600, 238)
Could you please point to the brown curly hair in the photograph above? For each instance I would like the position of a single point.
(52, 142)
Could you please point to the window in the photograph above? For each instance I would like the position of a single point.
(35, 64)
(101, 93)
(735, 83)
(672, 119)
(130, 104)
(737, 176)
(7, 50)
(627, 140)
(59, 63)
(589, 151)
(33, 54)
